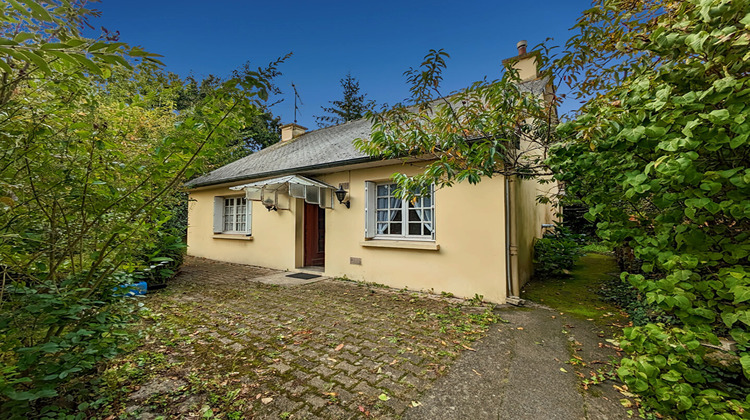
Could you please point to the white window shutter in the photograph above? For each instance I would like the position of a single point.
(218, 214)
(432, 201)
(249, 217)
(370, 209)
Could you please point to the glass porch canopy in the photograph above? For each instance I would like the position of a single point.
(310, 190)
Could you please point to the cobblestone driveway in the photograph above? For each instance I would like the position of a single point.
(220, 342)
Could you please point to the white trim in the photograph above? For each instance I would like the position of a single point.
(372, 209)
(233, 236)
(420, 245)
(236, 204)
(369, 210)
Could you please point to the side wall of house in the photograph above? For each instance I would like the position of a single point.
(530, 217)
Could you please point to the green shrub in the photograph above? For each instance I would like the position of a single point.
(556, 252)
(659, 154)
(630, 300)
(49, 334)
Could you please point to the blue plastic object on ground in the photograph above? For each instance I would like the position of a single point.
(134, 289)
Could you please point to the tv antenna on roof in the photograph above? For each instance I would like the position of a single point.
(296, 96)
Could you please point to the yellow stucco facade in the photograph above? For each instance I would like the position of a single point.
(467, 257)
(483, 240)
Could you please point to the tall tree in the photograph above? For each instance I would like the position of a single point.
(261, 131)
(352, 107)
(492, 127)
(85, 179)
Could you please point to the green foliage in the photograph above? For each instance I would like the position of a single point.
(631, 300)
(597, 247)
(352, 106)
(261, 130)
(90, 162)
(95, 328)
(557, 252)
(660, 154)
(489, 128)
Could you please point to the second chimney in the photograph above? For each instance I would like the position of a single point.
(522, 44)
(525, 63)
(292, 131)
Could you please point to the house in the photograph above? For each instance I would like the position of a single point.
(278, 208)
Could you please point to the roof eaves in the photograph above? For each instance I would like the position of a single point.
(355, 161)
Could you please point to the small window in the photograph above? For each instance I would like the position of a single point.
(395, 218)
(232, 215)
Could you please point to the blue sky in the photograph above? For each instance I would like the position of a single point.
(375, 41)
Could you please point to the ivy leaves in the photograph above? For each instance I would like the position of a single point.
(661, 155)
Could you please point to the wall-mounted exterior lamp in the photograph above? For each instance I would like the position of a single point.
(341, 195)
(269, 204)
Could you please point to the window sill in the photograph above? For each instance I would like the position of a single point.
(382, 243)
(233, 236)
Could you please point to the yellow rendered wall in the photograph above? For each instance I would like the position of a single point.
(470, 230)
(469, 223)
(527, 67)
(530, 218)
(273, 233)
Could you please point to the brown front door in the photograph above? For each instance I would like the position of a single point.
(315, 235)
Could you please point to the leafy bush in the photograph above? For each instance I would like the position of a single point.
(628, 298)
(673, 372)
(597, 247)
(659, 153)
(89, 173)
(556, 252)
(164, 252)
(49, 334)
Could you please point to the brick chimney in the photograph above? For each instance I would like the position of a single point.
(292, 131)
(525, 62)
(522, 44)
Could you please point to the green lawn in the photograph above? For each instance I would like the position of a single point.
(576, 294)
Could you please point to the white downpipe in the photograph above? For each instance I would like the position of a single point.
(508, 271)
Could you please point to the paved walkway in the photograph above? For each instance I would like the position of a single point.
(522, 370)
(228, 339)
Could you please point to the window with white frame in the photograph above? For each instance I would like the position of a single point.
(390, 217)
(232, 215)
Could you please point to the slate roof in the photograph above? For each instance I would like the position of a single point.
(326, 147)
(322, 148)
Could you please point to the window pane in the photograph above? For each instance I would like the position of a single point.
(382, 227)
(428, 229)
(382, 216)
(415, 228)
(427, 215)
(396, 215)
(382, 203)
(395, 228)
(395, 203)
(415, 215)
(382, 190)
(427, 201)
